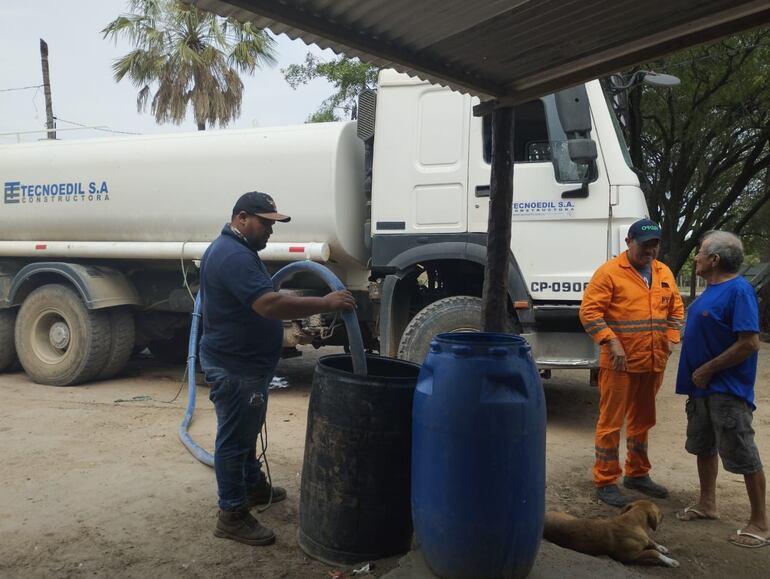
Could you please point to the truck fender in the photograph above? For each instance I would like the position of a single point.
(388, 337)
(7, 275)
(405, 262)
(99, 287)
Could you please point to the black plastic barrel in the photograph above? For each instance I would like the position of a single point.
(355, 494)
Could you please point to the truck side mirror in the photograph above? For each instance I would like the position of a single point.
(575, 118)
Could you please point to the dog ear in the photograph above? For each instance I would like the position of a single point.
(653, 517)
(627, 508)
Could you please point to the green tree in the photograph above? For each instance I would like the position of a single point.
(703, 148)
(189, 57)
(348, 76)
(756, 239)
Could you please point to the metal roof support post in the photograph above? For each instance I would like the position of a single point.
(494, 310)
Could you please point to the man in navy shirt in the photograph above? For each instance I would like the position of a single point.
(717, 371)
(239, 350)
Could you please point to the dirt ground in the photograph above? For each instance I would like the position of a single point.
(95, 482)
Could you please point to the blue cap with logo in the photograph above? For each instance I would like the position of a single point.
(644, 230)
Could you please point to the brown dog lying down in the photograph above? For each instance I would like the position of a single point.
(627, 538)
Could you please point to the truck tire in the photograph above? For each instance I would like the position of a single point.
(122, 336)
(59, 341)
(173, 350)
(453, 314)
(8, 359)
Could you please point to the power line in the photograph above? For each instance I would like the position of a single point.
(77, 127)
(105, 129)
(21, 88)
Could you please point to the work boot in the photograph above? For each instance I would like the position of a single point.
(260, 495)
(646, 485)
(612, 496)
(242, 527)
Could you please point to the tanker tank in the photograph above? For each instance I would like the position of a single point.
(181, 187)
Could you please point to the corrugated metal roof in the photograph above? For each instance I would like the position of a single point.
(512, 50)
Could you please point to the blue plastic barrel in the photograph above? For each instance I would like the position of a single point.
(478, 456)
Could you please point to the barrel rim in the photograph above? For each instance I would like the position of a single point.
(369, 376)
(481, 339)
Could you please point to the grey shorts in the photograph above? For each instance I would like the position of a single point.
(721, 423)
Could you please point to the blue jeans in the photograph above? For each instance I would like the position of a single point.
(241, 405)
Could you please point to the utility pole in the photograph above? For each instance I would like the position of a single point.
(47, 89)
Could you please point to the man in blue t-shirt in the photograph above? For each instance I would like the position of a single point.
(717, 371)
(239, 350)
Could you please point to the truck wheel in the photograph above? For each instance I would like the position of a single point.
(59, 341)
(122, 335)
(453, 314)
(8, 358)
(173, 350)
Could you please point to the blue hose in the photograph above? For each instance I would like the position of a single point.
(351, 324)
(351, 321)
(184, 435)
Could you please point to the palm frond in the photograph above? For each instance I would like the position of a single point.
(190, 58)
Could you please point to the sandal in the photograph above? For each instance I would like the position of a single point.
(760, 540)
(693, 513)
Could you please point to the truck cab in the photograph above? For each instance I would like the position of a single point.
(430, 200)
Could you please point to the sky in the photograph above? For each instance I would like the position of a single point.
(84, 91)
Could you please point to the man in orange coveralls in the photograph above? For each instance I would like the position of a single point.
(631, 307)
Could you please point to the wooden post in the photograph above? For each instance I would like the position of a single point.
(47, 90)
(494, 310)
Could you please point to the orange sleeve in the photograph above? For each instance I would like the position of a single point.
(596, 299)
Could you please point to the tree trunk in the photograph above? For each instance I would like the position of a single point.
(202, 126)
(494, 310)
(51, 134)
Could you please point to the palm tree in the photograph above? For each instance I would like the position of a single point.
(193, 57)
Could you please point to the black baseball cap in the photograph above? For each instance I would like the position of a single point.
(261, 204)
(644, 230)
